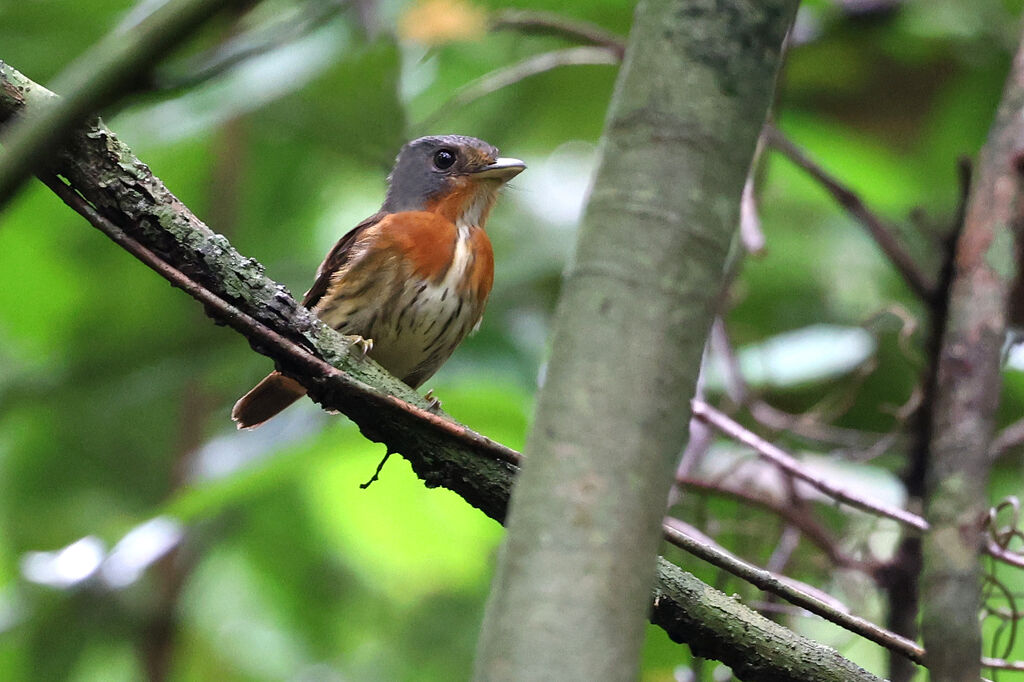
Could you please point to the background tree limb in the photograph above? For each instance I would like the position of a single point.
(967, 395)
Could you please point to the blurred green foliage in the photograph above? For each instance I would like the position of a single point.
(115, 389)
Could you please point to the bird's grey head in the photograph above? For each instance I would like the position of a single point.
(428, 167)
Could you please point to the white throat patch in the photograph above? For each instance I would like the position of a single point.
(473, 210)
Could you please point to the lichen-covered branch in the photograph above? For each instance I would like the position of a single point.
(757, 649)
(234, 290)
(967, 395)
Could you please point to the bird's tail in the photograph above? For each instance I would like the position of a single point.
(266, 399)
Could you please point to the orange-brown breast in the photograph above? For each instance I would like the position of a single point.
(427, 240)
(481, 273)
(417, 285)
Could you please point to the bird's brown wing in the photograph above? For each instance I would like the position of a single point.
(278, 391)
(336, 258)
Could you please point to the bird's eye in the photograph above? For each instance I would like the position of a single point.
(443, 159)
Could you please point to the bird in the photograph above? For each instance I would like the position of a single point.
(412, 280)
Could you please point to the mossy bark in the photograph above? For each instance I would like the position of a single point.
(719, 628)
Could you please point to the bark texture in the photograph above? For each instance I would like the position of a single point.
(682, 603)
(577, 567)
(967, 395)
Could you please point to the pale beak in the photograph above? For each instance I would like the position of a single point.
(502, 169)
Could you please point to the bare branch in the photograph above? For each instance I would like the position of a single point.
(966, 397)
(512, 74)
(796, 516)
(751, 234)
(785, 589)
(240, 48)
(999, 539)
(789, 464)
(549, 23)
(920, 283)
(1010, 437)
(1000, 664)
(805, 426)
(1004, 555)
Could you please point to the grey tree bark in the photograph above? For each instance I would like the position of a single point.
(967, 395)
(571, 595)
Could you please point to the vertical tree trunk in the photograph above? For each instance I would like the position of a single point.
(967, 394)
(574, 583)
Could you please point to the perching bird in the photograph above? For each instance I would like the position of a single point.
(411, 280)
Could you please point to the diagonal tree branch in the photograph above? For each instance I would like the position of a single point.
(920, 283)
(677, 534)
(788, 463)
(510, 75)
(118, 194)
(115, 63)
(550, 23)
(795, 515)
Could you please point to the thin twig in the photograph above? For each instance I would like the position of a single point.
(788, 463)
(999, 539)
(512, 74)
(810, 429)
(788, 541)
(1000, 664)
(808, 525)
(785, 589)
(673, 526)
(549, 23)
(246, 46)
(918, 281)
(751, 234)
(1009, 437)
(804, 425)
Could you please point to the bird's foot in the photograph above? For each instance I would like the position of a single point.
(433, 403)
(362, 346)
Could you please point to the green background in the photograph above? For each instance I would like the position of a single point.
(115, 390)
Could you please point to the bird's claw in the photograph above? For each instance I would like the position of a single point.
(364, 346)
(433, 403)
